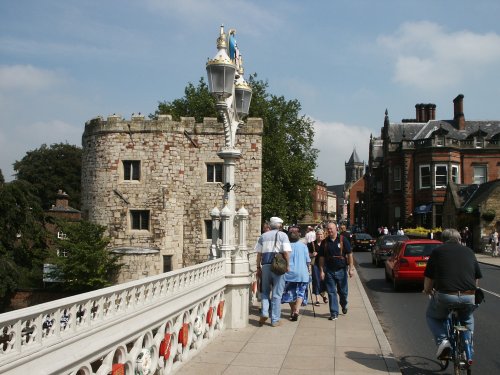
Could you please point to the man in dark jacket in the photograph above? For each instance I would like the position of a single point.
(451, 278)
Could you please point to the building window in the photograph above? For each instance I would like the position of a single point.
(439, 141)
(397, 178)
(454, 174)
(479, 174)
(62, 253)
(131, 170)
(425, 176)
(478, 142)
(441, 175)
(397, 212)
(139, 219)
(167, 263)
(214, 172)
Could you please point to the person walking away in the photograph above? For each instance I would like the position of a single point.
(494, 243)
(336, 264)
(310, 235)
(297, 278)
(318, 285)
(451, 278)
(268, 244)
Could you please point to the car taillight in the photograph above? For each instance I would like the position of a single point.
(403, 262)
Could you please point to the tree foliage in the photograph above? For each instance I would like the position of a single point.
(88, 265)
(289, 159)
(197, 102)
(22, 237)
(2, 179)
(50, 169)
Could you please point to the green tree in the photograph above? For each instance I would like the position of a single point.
(49, 169)
(88, 265)
(2, 180)
(22, 237)
(289, 159)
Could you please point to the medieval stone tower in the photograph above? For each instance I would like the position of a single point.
(153, 183)
(354, 169)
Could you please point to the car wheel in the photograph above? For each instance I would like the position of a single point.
(396, 284)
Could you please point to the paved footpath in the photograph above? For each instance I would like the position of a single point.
(354, 344)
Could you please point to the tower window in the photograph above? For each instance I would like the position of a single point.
(131, 170)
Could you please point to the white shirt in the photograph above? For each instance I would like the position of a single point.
(310, 236)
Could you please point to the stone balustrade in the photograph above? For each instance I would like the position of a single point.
(147, 326)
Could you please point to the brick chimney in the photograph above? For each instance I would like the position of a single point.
(417, 112)
(458, 112)
(62, 199)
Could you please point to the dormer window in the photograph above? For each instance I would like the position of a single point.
(478, 142)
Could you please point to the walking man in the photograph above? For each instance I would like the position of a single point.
(270, 243)
(336, 263)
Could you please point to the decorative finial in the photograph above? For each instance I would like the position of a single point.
(221, 40)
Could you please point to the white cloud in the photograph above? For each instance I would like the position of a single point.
(336, 142)
(427, 56)
(27, 78)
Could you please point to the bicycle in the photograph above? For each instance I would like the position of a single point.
(460, 338)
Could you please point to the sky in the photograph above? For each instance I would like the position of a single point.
(63, 63)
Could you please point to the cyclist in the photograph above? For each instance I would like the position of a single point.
(451, 278)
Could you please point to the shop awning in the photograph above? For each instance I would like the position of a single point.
(423, 209)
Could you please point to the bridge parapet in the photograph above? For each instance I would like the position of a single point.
(147, 326)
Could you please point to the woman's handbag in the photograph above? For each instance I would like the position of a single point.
(279, 265)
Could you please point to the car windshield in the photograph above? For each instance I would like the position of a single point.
(363, 236)
(415, 250)
(391, 240)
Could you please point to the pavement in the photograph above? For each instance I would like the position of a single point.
(354, 344)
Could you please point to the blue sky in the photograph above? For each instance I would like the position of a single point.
(65, 62)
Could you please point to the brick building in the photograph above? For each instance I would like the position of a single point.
(153, 184)
(413, 161)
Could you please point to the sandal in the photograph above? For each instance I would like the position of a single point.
(325, 300)
(316, 303)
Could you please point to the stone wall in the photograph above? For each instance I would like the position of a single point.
(172, 186)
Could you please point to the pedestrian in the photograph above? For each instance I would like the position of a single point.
(336, 264)
(268, 244)
(451, 278)
(400, 232)
(318, 285)
(297, 278)
(310, 235)
(265, 227)
(494, 243)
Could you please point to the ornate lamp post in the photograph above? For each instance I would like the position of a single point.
(233, 95)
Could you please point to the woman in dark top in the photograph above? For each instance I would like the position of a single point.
(318, 286)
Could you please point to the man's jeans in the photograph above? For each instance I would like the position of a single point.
(438, 310)
(336, 281)
(271, 281)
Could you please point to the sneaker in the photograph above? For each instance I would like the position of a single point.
(444, 349)
(276, 324)
(344, 310)
(262, 320)
(333, 317)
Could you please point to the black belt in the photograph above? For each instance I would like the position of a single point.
(465, 292)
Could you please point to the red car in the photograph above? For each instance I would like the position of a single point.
(408, 261)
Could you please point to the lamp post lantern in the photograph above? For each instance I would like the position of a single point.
(233, 96)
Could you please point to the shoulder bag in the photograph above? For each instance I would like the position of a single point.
(279, 265)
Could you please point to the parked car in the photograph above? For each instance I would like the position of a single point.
(362, 241)
(408, 261)
(382, 249)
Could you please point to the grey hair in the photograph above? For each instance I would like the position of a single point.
(274, 225)
(450, 235)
